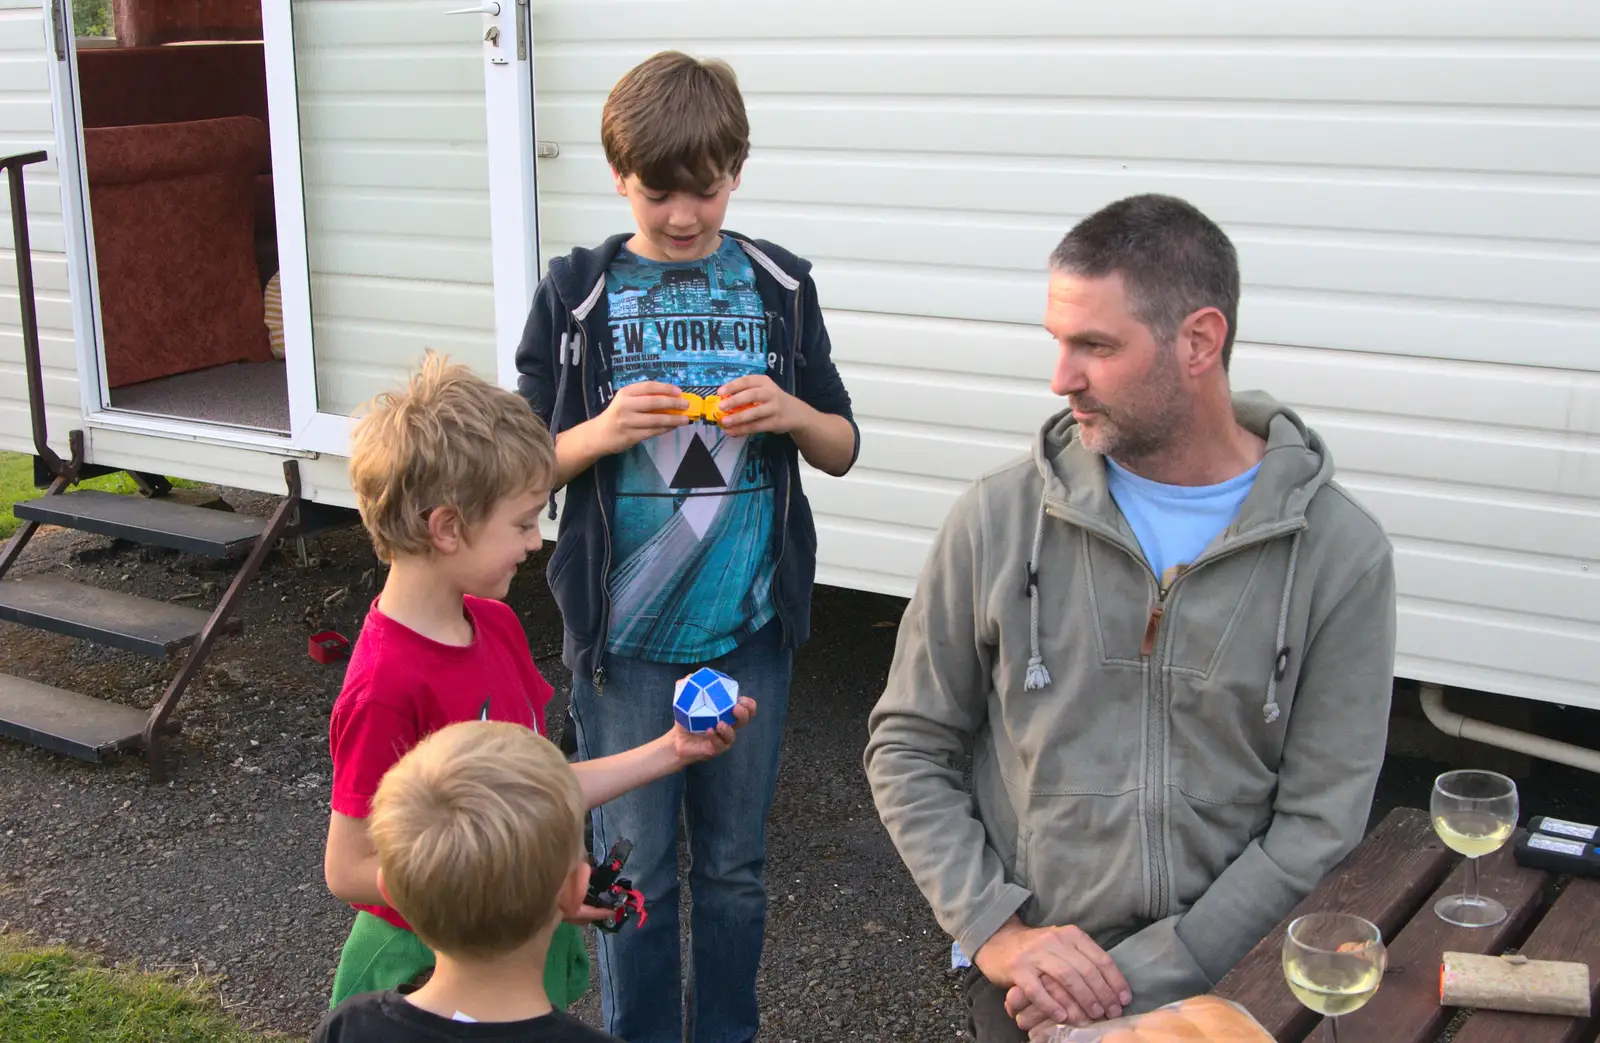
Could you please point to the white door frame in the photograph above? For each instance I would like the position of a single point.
(78, 235)
(513, 176)
(78, 239)
(508, 87)
(310, 429)
(508, 96)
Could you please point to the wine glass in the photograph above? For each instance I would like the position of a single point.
(1333, 963)
(1474, 813)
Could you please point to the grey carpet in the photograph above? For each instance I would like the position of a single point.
(244, 394)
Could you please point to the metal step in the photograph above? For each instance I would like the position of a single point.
(137, 624)
(158, 522)
(67, 722)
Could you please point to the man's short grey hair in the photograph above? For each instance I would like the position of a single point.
(1173, 259)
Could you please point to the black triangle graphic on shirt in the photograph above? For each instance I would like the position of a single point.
(697, 469)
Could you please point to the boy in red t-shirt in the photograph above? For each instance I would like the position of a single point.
(450, 476)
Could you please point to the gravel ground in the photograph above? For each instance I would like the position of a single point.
(220, 870)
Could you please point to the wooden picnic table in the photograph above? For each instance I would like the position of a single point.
(1393, 879)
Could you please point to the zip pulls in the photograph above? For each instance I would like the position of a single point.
(1154, 625)
(1280, 651)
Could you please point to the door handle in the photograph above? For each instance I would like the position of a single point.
(488, 7)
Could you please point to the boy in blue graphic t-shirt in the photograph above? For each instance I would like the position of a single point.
(691, 574)
(685, 371)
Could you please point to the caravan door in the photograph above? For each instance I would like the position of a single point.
(405, 143)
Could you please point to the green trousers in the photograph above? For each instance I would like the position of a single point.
(378, 955)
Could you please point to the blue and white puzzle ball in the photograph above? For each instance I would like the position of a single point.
(705, 699)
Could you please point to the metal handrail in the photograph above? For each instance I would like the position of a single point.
(32, 364)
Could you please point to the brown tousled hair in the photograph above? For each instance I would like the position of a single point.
(677, 122)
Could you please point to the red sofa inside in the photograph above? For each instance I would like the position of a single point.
(129, 86)
(180, 192)
(173, 218)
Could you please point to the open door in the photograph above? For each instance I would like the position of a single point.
(402, 213)
(162, 136)
(409, 131)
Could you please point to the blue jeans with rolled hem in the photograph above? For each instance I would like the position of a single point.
(644, 994)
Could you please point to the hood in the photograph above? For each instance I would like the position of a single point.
(579, 277)
(1295, 465)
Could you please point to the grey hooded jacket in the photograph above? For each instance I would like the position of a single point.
(1170, 770)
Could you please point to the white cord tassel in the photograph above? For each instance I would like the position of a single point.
(1038, 676)
(1280, 665)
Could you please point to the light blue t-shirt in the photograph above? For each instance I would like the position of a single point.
(1175, 523)
(692, 563)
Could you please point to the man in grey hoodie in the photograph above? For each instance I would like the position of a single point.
(1167, 643)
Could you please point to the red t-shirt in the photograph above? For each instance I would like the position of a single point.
(401, 687)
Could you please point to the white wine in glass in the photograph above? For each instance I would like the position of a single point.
(1474, 813)
(1333, 963)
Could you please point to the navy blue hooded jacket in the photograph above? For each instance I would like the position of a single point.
(564, 367)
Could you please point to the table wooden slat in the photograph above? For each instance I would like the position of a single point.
(1569, 931)
(1406, 1008)
(1385, 879)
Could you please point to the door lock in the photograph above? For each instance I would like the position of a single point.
(492, 35)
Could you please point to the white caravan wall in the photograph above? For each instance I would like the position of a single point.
(25, 126)
(393, 147)
(1414, 190)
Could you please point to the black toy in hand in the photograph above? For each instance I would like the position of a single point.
(608, 889)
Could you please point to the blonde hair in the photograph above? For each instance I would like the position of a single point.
(476, 829)
(449, 439)
(676, 121)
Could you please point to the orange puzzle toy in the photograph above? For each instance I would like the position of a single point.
(703, 407)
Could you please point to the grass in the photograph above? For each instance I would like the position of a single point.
(16, 483)
(91, 17)
(62, 996)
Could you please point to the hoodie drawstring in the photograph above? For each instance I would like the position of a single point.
(1280, 666)
(1038, 676)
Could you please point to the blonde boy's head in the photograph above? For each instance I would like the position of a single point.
(449, 439)
(478, 828)
(677, 122)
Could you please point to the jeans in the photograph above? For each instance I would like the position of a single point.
(724, 802)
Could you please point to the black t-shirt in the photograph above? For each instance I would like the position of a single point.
(386, 1017)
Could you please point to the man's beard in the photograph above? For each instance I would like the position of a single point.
(1156, 418)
